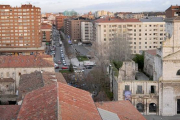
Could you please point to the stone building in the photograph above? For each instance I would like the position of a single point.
(143, 94)
(15, 66)
(169, 96)
(153, 63)
(7, 91)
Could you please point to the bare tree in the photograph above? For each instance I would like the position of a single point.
(119, 47)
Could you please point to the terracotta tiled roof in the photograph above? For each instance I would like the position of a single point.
(9, 112)
(152, 52)
(49, 77)
(40, 104)
(124, 109)
(115, 20)
(29, 82)
(25, 61)
(60, 78)
(76, 104)
(46, 26)
(58, 100)
(7, 80)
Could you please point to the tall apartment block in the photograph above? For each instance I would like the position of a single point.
(173, 11)
(86, 32)
(20, 27)
(60, 21)
(143, 34)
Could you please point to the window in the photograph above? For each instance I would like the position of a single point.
(153, 89)
(127, 88)
(139, 89)
(178, 72)
(7, 74)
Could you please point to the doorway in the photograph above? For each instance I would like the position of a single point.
(178, 106)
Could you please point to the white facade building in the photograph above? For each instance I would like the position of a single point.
(169, 98)
(86, 32)
(145, 34)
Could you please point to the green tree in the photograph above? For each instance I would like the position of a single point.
(139, 59)
(71, 68)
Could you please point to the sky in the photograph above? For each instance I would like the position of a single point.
(84, 6)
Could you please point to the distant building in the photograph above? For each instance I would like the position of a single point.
(46, 30)
(86, 32)
(129, 15)
(60, 21)
(72, 28)
(70, 13)
(89, 15)
(173, 11)
(103, 13)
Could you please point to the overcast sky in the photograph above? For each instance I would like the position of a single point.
(83, 6)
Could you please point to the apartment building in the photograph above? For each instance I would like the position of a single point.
(20, 26)
(103, 13)
(173, 11)
(86, 32)
(143, 34)
(72, 28)
(46, 30)
(128, 15)
(60, 21)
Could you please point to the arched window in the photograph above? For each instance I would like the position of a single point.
(152, 107)
(178, 72)
(140, 107)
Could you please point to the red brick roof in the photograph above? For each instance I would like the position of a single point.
(46, 26)
(29, 82)
(25, 61)
(58, 100)
(76, 104)
(115, 20)
(9, 112)
(152, 52)
(40, 104)
(124, 109)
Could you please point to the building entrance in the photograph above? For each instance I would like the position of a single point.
(178, 106)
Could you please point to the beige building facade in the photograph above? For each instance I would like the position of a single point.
(145, 34)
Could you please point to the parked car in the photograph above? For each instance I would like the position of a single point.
(74, 67)
(59, 62)
(64, 67)
(56, 66)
